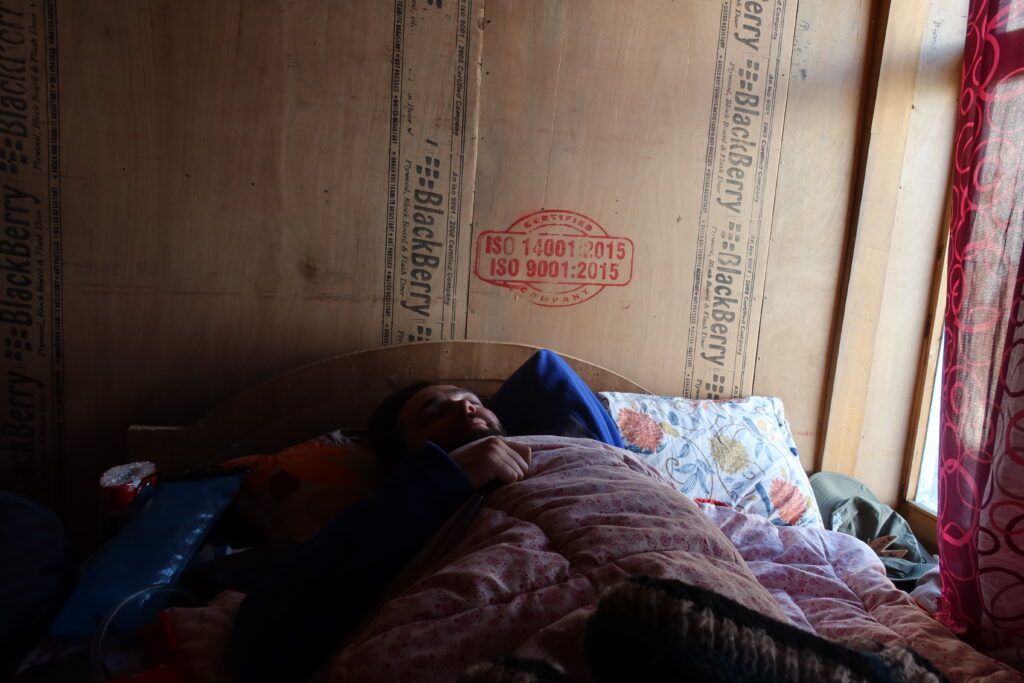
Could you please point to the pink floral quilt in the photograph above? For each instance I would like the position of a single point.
(834, 585)
(520, 571)
(526, 572)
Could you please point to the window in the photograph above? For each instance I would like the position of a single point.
(921, 469)
(927, 493)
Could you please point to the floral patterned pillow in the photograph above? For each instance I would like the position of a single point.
(739, 451)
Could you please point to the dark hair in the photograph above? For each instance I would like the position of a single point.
(385, 435)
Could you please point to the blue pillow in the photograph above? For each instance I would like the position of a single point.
(546, 396)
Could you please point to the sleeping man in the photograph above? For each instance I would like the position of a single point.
(443, 446)
(545, 535)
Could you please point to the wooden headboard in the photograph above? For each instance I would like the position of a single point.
(339, 392)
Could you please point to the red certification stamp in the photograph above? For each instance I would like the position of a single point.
(555, 258)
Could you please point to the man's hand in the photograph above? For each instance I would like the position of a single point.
(492, 459)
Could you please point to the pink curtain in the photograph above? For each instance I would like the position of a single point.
(981, 470)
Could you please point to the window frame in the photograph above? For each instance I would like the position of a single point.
(922, 521)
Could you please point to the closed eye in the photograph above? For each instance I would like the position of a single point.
(430, 409)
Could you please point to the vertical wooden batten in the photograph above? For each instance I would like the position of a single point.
(905, 334)
(872, 239)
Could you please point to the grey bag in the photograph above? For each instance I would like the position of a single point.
(849, 507)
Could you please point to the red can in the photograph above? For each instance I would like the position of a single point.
(120, 485)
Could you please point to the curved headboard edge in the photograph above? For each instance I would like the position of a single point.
(316, 398)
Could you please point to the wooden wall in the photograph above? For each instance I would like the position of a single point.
(627, 112)
(817, 181)
(227, 192)
(237, 191)
(917, 246)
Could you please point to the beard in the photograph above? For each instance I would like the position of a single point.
(471, 432)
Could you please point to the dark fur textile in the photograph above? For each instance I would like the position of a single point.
(649, 629)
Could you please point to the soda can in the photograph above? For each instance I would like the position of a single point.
(120, 485)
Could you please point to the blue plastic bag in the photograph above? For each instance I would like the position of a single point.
(154, 548)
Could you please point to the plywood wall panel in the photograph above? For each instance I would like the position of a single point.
(606, 109)
(228, 161)
(210, 185)
(817, 178)
(240, 179)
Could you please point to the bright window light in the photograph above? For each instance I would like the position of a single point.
(928, 481)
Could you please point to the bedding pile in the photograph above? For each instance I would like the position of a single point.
(834, 585)
(521, 570)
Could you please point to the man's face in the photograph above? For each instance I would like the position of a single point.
(449, 416)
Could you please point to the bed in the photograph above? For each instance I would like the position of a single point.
(521, 572)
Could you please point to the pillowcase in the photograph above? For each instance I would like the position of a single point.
(290, 495)
(546, 396)
(738, 451)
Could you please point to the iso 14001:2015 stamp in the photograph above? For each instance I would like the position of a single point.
(554, 258)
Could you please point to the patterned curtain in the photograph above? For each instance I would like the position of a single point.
(981, 470)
